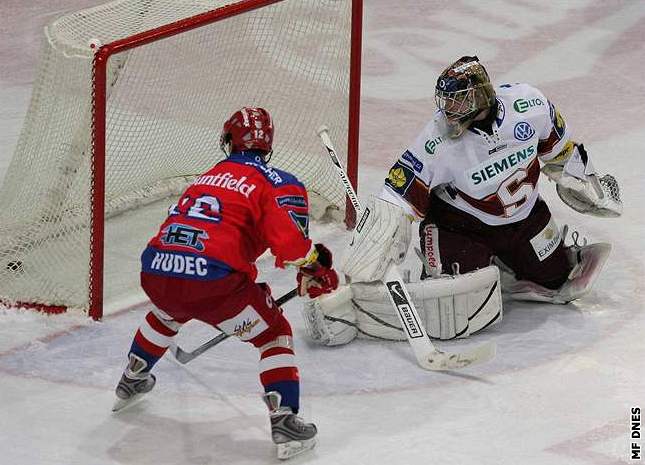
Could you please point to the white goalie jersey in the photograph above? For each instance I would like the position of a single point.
(493, 174)
(490, 176)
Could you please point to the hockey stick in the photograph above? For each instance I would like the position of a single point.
(427, 355)
(184, 356)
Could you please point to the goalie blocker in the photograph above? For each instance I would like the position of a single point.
(449, 306)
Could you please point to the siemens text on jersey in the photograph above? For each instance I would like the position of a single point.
(492, 169)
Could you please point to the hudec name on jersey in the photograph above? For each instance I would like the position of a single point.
(179, 264)
(494, 168)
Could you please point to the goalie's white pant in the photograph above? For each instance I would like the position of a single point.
(450, 307)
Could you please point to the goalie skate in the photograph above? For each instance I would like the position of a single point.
(289, 432)
(130, 391)
(587, 261)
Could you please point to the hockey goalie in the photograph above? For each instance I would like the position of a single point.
(471, 180)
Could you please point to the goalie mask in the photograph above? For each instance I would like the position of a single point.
(463, 91)
(248, 129)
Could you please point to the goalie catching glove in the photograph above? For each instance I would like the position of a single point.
(580, 188)
(317, 277)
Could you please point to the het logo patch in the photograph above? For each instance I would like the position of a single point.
(523, 131)
(184, 235)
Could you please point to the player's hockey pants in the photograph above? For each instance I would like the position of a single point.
(465, 240)
(237, 306)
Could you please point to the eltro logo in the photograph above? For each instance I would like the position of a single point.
(431, 145)
(522, 105)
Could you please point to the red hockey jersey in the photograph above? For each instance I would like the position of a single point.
(227, 218)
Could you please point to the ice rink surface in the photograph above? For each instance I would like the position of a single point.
(565, 378)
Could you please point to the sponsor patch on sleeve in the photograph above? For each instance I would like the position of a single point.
(564, 154)
(292, 201)
(301, 221)
(417, 165)
(559, 126)
(399, 178)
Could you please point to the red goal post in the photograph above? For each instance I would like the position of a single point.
(157, 99)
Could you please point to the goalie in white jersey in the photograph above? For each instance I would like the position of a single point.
(471, 179)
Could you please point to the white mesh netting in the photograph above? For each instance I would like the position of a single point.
(166, 104)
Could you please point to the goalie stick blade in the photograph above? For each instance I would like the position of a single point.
(440, 361)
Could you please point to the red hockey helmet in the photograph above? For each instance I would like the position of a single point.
(247, 129)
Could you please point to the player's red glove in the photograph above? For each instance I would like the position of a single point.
(318, 278)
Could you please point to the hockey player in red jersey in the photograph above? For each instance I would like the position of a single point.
(201, 265)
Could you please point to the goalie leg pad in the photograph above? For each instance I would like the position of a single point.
(450, 306)
(330, 319)
(467, 303)
(381, 236)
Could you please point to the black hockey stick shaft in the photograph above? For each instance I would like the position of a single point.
(184, 357)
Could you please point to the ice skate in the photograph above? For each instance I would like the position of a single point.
(289, 432)
(133, 385)
(587, 262)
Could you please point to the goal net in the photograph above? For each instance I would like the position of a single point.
(127, 109)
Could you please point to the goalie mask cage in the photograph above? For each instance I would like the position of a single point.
(127, 109)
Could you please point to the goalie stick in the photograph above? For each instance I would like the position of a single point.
(183, 356)
(427, 355)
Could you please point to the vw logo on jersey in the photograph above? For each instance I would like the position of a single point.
(523, 131)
